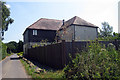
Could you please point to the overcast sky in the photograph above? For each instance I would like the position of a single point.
(26, 12)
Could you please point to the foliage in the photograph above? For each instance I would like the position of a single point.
(42, 43)
(35, 45)
(20, 54)
(116, 36)
(106, 30)
(106, 33)
(20, 46)
(4, 50)
(97, 62)
(49, 73)
(6, 20)
(12, 46)
(113, 37)
(15, 47)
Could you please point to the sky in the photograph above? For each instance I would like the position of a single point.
(26, 12)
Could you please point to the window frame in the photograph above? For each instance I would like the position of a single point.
(34, 32)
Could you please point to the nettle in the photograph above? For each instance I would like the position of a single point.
(96, 62)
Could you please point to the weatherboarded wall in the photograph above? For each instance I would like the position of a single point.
(67, 34)
(85, 33)
(78, 33)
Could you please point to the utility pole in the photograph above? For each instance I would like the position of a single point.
(119, 17)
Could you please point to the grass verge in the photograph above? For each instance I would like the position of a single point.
(54, 74)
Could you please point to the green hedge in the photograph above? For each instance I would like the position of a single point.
(3, 50)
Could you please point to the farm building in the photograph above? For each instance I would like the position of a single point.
(43, 29)
(75, 29)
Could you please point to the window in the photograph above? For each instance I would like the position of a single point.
(34, 32)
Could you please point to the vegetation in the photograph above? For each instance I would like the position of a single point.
(97, 62)
(48, 73)
(14, 47)
(106, 30)
(35, 45)
(20, 46)
(3, 51)
(6, 20)
(42, 43)
(20, 54)
(115, 36)
(106, 33)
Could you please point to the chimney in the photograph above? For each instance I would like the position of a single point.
(63, 21)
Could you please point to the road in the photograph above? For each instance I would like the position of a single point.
(12, 68)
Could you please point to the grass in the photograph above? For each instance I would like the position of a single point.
(49, 73)
(1, 58)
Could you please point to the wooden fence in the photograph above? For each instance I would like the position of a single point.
(57, 55)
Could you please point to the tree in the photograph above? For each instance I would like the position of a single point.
(15, 47)
(106, 30)
(116, 36)
(4, 18)
(12, 46)
(20, 46)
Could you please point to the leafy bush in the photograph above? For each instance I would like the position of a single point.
(35, 45)
(97, 62)
(14, 47)
(115, 36)
(42, 43)
(20, 54)
(3, 50)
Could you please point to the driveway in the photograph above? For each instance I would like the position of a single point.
(12, 68)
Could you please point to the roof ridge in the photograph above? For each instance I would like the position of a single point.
(41, 19)
(51, 19)
(83, 20)
(74, 19)
(34, 22)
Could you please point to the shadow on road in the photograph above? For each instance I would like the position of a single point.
(47, 68)
(15, 58)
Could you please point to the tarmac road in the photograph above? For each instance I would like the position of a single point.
(12, 68)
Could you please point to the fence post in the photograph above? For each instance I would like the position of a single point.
(63, 54)
(73, 49)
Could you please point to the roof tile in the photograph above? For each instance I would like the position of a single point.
(46, 24)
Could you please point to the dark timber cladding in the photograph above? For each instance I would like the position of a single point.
(46, 29)
(42, 35)
(57, 55)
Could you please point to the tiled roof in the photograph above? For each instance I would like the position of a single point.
(77, 21)
(46, 24)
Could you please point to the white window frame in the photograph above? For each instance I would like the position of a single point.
(34, 32)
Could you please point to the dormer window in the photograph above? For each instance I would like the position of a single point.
(34, 32)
